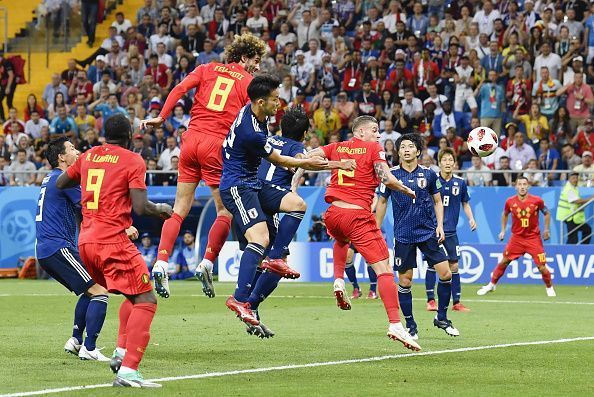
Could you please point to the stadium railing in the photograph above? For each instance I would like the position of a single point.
(563, 236)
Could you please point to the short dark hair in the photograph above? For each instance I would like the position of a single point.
(522, 177)
(414, 138)
(55, 148)
(444, 151)
(21, 151)
(117, 128)
(294, 124)
(262, 86)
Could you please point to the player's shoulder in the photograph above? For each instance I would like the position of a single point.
(459, 180)
(536, 199)
(395, 169)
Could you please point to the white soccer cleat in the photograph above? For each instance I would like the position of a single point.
(91, 355)
(72, 346)
(447, 326)
(397, 332)
(551, 292)
(161, 278)
(486, 289)
(340, 293)
(204, 275)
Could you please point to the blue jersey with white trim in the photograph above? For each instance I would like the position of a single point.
(55, 221)
(243, 150)
(280, 176)
(414, 219)
(453, 193)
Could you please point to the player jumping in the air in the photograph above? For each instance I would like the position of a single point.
(112, 183)
(418, 223)
(526, 238)
(349, 217)
(351, 273)
(58, 212)
(244, 197)
(454, 193)
(220, 94)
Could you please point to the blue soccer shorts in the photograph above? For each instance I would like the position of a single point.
(66, 267)
(405, 255)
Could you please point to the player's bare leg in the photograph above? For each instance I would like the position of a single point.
(546, 277)
(444, 294)
(137, 339)
(340, 249)
(184, 198)
(387, 290)
(498, 272)
(456, 289)
(219, 231)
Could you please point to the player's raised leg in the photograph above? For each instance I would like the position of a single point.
(430, 278)
(184, 198)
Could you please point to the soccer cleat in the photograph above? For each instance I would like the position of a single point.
(243, 311)
(116, 361)
(161, 278)
(431, 305)
(551, 292)
(356, 293)
(72, 346)
(371, 295)
(133, 379)
(459, 307)
(91, 355)
(280, 267)
(397, 332)
(261, 331)
(413, 332)
(447, 326)
(204, 274)
(486, 289)
(342, 299)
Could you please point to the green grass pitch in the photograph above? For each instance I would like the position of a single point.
(194, 335)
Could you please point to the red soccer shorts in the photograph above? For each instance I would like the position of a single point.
(201, 158)
(359, 227)
(518, 246)
(119, 267)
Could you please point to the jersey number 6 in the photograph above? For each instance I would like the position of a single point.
(94, 182)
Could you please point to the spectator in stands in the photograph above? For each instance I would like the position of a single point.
(148, 250)
(518, 92)
(548, 158)
(170, 179)
(579, 100)
(584, 139)
(186, 259)
(9, 126)
(32, 105)
(105, 82)
(412, 107)
(447, 119)
(567, 212)
(50, 91)
(549, 59)
(147, 9)
(89, 141)
(481, 176)
(492, 99)
(424, 71)
(208, 54)
(545, 93)
(107, 107)
(59, 100)
(368, 103)
(586, 170)
(95, 72)
(463, 77)
(81, 85)
(83, 120)
(165, 157)
(4, 168)
(535, 178)
(4, 148)
(139, 147)
(89, 10)
(161, 75)
(303, 74)
(193, 42)
(535, 124)
(151, 178)
(326, 120)
(69, 73)
(121, 23)
(519, 153)
(503, 178)
(117, 59)
(20, 170)
(34, 126)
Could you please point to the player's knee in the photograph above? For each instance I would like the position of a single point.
(146, 297)
(454, 267)
(223, 212)
(404, 280)
(300, 205)
(96, 290)
(182, 207)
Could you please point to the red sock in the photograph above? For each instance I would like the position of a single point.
(387, 290)
(217, 237)
(498, 273)
(138, 332)
(340, 254)
(169, 234)
(546, 277)
(125, 310)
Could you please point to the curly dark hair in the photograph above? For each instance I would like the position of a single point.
(245, 45)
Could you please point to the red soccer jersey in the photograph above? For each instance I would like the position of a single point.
(106, 174)
(221, 91)
(358, 186)
(524, 215)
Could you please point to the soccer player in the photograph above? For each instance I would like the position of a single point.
(349, 218)
(243, 196)
(112, 181)
(58, 212)
(220, 94)
(351, 273)
(526, 238)
(418, 223)
(454, 193)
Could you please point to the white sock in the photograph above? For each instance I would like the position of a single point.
(209, 264)
(125, 370)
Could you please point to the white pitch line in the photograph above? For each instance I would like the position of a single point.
(310, 365)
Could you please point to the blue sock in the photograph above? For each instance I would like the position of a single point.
(405, 298)
(430, 278)
(256, 277)
(372, 279)
(286, 231)
(80, 313)
(444, 293)
(266, 284)
(95, 317)
(456, 287)
(247, 270)
(351, 273)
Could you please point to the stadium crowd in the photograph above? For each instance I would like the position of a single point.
(437, 68)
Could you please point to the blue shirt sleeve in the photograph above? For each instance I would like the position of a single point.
(434, 184)
(258, 145)
(295, 149)
(465, 197)
(384, 191)
(73, 195)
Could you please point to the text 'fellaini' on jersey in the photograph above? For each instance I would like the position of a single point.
(280, 176)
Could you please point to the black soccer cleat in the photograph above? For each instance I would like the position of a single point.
(447, 326)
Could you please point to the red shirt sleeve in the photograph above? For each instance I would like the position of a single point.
(507, 208)
(328, 150)
(540, 204)
(137, 172)
(74, 170)
(192, 80)
(378, 155)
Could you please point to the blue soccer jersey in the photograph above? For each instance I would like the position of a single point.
(243, 150)
(414, 220)
(55, 221)
(280, 176)
(453, 193)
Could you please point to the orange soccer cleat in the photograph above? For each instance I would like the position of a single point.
(280, 267)
(459, 307)
(356, 293)
(243, 311)
(372, 295)
(432, 306)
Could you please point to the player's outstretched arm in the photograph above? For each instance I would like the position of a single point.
(438, 207)
(546, 234)
(309, 163)
(503, 225)
(385, 176)
(64, 181)
(469, 215)
(142, 206)
(380, 210)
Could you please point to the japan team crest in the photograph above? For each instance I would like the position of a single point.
(455, 190)
(422, 183)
